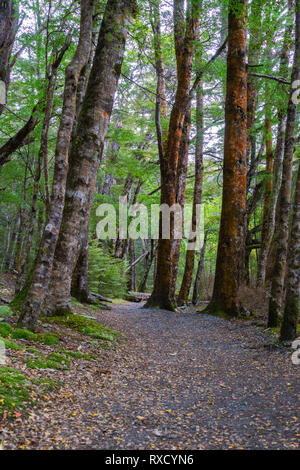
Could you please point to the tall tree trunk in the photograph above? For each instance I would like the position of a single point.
(200, 268)
(185, 33)
(266, 233)
(161, 106)
(12, 248)
(232, 238)
(292, 303)
(8, 29)
(197, 199)
(255, 43)
(30, 223)
(278, 155)
(282, 231)
(43, 268)
(87, 148)
(180, 189)
(7, 243)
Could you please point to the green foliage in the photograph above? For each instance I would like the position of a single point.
(86, 326)
(106, 273)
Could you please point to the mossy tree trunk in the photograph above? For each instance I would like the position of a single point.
(87, 148)
(35, 293)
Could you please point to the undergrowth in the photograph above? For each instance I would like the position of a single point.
(86, 326)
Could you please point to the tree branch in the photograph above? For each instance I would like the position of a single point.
(270, 77)
(18, 140)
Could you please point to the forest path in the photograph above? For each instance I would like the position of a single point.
(189, 381)
(177, 381)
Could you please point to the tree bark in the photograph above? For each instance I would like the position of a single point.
(282, 231)
(11, 253)
(197, 199)
(185, 34)
(200, 268)
(291, 314)
(278, 155)
(225, 298)
(87, 148)
(266, 233)
(43, 268)
(181, 188)
(148, 263)
(255, 43)
(79, 286)
(8, 29)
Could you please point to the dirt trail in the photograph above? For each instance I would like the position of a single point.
(178, 381)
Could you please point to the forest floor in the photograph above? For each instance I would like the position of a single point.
(175, 381)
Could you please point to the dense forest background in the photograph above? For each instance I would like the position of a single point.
(182, 63)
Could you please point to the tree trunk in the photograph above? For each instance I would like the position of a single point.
(148, 263)
(9, 259)
(292, 304)
(180, 189)
(190, 254)
(278, 156)
(225, 298)
(196, 291)
(255, 43)
(266, 233)
(7, 243)
(43, 268)
(87, 148)
(185, 33)
(8, 29)
(282, 231)
(80, 287)
(132, 271)
(120, 250)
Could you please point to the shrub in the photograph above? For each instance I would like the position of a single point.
(106, 274)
